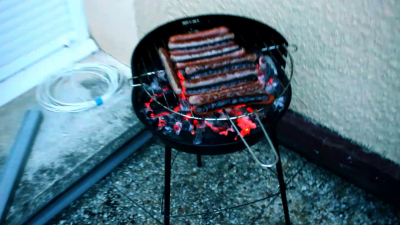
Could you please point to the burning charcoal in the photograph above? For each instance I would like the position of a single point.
(161, 75)
(274, 86)
(267, 65)
(246, 125)
(201, 125)
(198, 137)
(170, 98)
(154, 86)
(279, 104)
(149, 114)
(161, 123)
(153, 122)
(184, 105)
(178, 127)
(159, 112)
(186, 126)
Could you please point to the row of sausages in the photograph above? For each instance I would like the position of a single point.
(217, 72)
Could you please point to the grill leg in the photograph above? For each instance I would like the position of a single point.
(282, 185)
(199, 160)
(167, 185)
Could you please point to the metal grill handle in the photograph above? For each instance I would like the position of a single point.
(264, 165)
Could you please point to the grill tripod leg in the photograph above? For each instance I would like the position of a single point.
(199, 160)
(282, 185)
(167, 185)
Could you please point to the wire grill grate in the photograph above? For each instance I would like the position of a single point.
(150, 65)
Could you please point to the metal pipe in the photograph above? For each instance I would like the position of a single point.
(17, 159)
(89, 179)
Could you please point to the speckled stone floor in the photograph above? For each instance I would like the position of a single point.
(228, 189)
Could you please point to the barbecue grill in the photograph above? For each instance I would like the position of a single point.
(217, 133)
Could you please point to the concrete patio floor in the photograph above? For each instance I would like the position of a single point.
(132, 193)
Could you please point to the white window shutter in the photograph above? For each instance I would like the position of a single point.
(31, 30)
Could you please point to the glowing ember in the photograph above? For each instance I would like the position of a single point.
(182, 78)
(246, 124)
(176, 109)
(239, 106)
(224, 133)
(186, 118)
(177, 124)
(215, 129)
(148, 104)
(161, 124)
(177, 127)
(160, 114)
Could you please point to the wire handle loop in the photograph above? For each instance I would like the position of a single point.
(263, 165)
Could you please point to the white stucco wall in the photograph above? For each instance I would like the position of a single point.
(113, 27)
(347, 69)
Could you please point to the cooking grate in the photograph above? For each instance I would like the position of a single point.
(153, 66)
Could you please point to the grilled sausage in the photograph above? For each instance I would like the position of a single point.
(201, 41)
(216, 71)
(201, 34)
(213, 60)
(192, 69)
(173, 78)
(220, 77)
(201, 49)
(252, 88)
(210, 107)
(217, 50)
(221, 86)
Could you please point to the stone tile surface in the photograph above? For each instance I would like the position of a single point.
(103, 204)
(68, 145)
(231, 189)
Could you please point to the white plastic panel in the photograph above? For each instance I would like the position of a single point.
(33, 29)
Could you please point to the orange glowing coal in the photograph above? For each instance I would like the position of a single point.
(176, 109)
(239, 106)
(160, 114)
(161, 123)
(215, 129)
(246, 124)
(182, 78)
(224, 133)
(148, 104)
(186, 118)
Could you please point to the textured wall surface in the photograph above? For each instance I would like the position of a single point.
(112, 25)
(347, 67)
